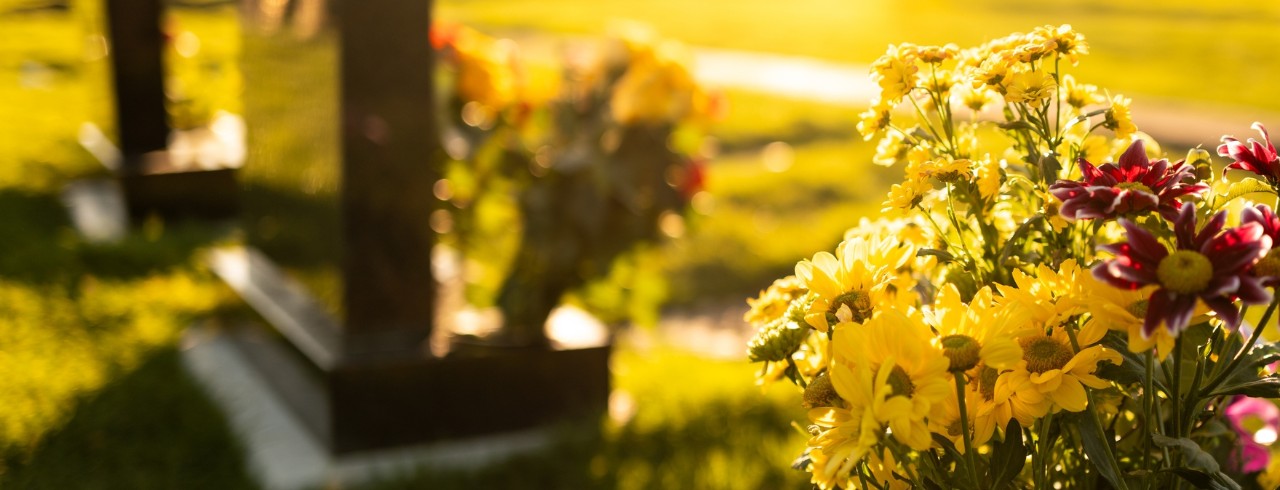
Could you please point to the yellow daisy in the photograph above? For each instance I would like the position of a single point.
(908, 375)
(774, 301)
(973, 332)
(1061, 375)
(1046, 299)
(1119, 119)
(859, 278)
(1032, 88)
(1112, 308)
(845, 437)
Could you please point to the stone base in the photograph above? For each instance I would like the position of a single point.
(354, 404)
(283, 454)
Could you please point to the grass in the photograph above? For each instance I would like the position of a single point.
(1214, 51)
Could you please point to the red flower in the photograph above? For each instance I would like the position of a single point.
(1134, 185)
(1211, 266)
(1254, 157)
(1268, 269)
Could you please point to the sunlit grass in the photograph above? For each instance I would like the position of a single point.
(1214, 51)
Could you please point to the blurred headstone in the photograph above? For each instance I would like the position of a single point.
(155, 179)
(343, 152)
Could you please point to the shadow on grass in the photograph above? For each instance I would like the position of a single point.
(40, 246)
(153, 428)
(727, 443)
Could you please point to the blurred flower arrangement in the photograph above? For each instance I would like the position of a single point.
(599, 162)
(1029, 316)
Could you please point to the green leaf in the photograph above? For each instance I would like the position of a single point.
(1008, 457)
(1098, 447)
(1133, 367)
(1191, 452)
(1203, 480)
(942, 255)
(1248, 185)
(960, 478)
(1266, 387)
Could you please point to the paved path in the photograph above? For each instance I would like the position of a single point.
(1171, 122)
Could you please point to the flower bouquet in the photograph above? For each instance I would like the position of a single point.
(604, 159)
(1052, 305)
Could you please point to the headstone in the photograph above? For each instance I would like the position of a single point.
(154, 180)
(343, 151)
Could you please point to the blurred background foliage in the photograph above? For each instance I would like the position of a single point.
(92, 394)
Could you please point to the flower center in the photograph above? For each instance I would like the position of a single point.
(1044, 353)
(900, 382)
(962, 350)
(859, 304)
(987, 377)
(1269, 265)
(821, 393)
(1134, 186)
(1138, 309)
(1185, 271)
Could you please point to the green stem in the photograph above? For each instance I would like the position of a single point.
(1176, 385)
(1235, 362)
(1148, 411)
(970, 466)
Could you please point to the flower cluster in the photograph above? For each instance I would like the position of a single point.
(593, 155)
(1062, 291)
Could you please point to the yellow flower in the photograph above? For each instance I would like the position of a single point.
(973, 332)
(906, 195)
(896, 72)
(1119, 119)
(1061, 375)
(992, 71)
(486, 72)
(938, 54)
(909, 376)
(1112, 308)
(1067, 42)
(874, 120)
(890, 149)
(774, 301)
(859, 278)
(1079, 95)
(1008, 394)
(656, 87)
(976, 98)
(1047, 299)
(989, 178)
(845, 437)
(846, 434)
(882, 465)
(1032, 88)
(945, 169)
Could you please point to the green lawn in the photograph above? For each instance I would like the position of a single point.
(1214, 51)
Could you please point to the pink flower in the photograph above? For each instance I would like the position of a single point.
(1134, 185)
(1257, 422)
(1212, 266)
(1254, 156)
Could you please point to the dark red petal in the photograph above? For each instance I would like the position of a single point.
(1181, 308)
(1157, 304)
(1221, 285)
(1144, 244)
(1237, 248)
(1133, 158)
(1226, 310)
(1087, 170)
(1252, 291)
(1210, 229)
